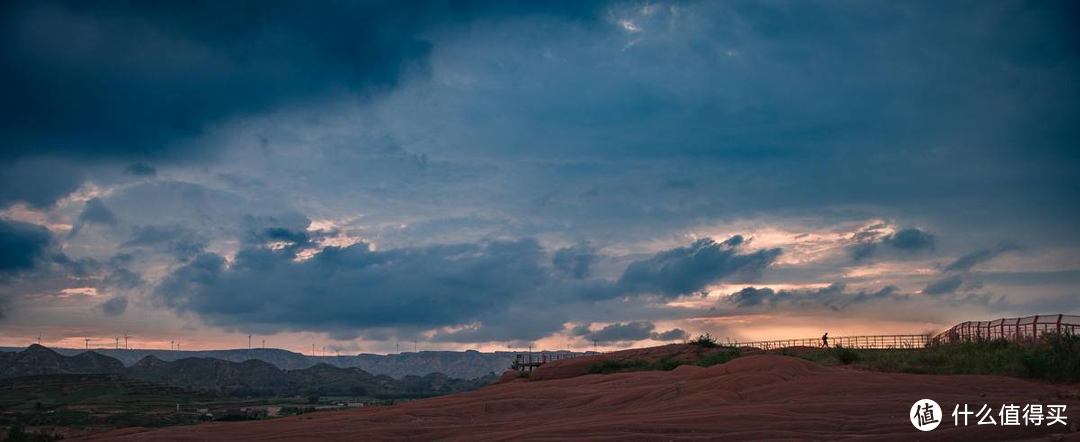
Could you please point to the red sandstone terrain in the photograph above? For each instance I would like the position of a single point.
(750, 398)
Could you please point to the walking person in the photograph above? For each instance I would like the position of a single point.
(825, 340)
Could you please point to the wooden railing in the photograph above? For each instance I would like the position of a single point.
(872, 341)
(530, 360)
(1026, 329)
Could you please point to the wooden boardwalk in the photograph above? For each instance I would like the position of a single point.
(869, 341)
(529, 361)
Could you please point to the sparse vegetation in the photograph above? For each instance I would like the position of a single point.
(665, 364)
(704, 359)
(705, 341)
(718, 358)
(1054, 358)
(608, 366)
(845, 356)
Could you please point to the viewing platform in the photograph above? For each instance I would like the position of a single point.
(529, 361)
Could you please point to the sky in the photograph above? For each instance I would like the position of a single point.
(375, 176)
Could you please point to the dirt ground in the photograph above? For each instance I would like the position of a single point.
(751, 398)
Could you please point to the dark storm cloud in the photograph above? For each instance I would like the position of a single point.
(834, 297)
(629, 331)
(94, 212)
(122, 278)
(674, 334)
(174, 240)
(947, 284)
(956, 272)
(618, 332)
(115, 306)
(38, 182)
(579, 330)
(910, 240)
(690, 269)
(129, 78)
(575, 261)
(500, 289)
(905, 242)
(357, 287)
(22, 245)
(966, 262)
(121, 80)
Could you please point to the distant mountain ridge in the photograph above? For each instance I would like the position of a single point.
(39, 360)
(248, 378)
(455, 364)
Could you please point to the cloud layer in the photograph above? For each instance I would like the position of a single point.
(466, 173)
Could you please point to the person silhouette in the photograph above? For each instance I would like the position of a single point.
(825, 339)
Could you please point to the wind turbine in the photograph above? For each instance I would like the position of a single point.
(87, 343)
(117, 343)
(172, 345)
(249, 342)
(126, 341)
(39, 339)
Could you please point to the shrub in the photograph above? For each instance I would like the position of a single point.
(706, 340)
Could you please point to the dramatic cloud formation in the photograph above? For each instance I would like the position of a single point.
(37, 182)
(835, 297)
(496, 173)
(21, 245)
(115, 306)
(690, 269)
(906, 242)
(95, 212)
(184, 66)
(356, 287)
(630, 331)
(966, 262)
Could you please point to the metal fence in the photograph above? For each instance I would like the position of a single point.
(1026, 329)
(875, 341)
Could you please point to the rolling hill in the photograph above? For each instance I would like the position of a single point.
(247, 378)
